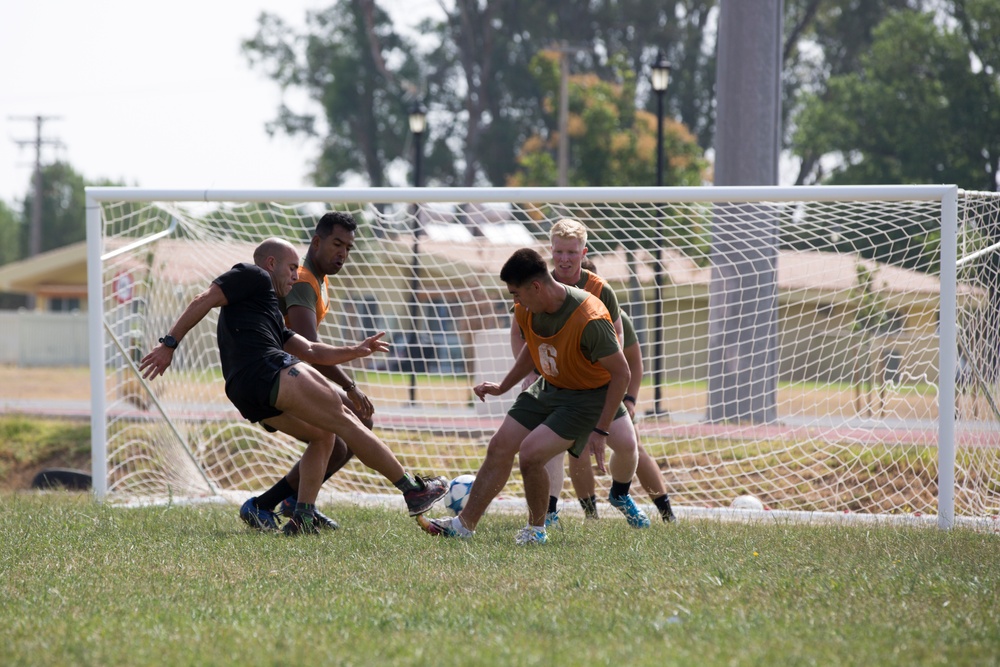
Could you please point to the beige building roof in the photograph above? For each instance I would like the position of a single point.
(62, 272)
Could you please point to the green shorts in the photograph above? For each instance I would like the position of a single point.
(571, 413)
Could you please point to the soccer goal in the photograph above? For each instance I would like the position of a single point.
(831, 351)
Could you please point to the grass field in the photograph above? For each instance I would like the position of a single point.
(89, 584)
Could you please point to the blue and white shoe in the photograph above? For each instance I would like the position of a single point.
(531, 535)
(635, 516)
(552, 520)
(262, 520)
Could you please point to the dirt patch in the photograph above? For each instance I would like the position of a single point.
(57, 384)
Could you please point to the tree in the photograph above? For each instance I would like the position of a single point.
(611, 143)
(63, 208)
(916, 111)
(10, 234)
(358, 71)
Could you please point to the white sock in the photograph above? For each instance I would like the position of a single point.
(459, 527)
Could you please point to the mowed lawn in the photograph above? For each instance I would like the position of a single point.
(90, 584)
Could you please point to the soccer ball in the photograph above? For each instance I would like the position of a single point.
(747, 502)
(458, 493)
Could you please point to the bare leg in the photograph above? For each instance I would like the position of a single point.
(494, 472)
(557, 473)
(538, 448)
(581, 473)
(307, 395)
(340, 455)
(648, 472)
(319, 444)
(623, 450)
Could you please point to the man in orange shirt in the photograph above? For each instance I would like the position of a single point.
(574, 406)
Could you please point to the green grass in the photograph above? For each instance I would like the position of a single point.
(89, 584)
(25, 441)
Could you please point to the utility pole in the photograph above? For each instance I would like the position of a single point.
(564, 50)
(35, 231)
(563, 117)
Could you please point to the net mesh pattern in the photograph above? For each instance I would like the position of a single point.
(790, 347)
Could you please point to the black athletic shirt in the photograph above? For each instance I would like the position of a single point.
(251, 330)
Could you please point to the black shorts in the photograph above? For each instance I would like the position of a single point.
(250, 389)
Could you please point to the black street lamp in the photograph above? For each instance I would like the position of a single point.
(660, 79)
(418, 124)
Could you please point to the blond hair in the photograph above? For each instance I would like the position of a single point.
(569, 228)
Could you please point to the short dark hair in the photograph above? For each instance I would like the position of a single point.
(524, 266)
(333, 219)
(587, 263)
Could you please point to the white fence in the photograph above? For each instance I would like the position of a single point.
(43, 339)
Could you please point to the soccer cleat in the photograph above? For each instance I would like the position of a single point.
(301, 524)
(420, 500)
(262, 520)
(287, 509)
(667, 513)
(589, 506)
(439, 527)
(635, 516)
(552, 520)
(531, 535)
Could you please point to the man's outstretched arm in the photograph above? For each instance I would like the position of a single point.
(157, 361)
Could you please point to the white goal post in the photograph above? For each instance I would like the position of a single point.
(832, 351)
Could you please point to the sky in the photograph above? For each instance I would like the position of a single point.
(149, 94)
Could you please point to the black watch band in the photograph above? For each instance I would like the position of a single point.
(169, 341)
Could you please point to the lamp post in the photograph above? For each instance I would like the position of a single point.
(418, 124)
(660, 79)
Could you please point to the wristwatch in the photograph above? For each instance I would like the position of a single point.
(169, 341)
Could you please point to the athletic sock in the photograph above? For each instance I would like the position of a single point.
(620, 489)
(589, 506)
(553, 504)
(407, 483)
(270, 498)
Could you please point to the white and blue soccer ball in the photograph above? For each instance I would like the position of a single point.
(458, 493)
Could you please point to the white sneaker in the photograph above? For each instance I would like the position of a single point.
(531, 535)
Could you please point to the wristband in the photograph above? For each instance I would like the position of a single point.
(629, 397)
(600, 431)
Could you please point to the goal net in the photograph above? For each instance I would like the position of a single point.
(827, 350)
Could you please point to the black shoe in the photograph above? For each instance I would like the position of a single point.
(589, 506)
(667, 513)
(301, 524)
(287, 508)
(263, 520)
(420, 500)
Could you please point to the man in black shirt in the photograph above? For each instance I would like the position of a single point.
(267, 383)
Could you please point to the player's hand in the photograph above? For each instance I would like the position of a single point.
(595, 445)
(487, 389)
(362, 404)
(529, 380)
(371, 345)
(156, 362)
(630, 408)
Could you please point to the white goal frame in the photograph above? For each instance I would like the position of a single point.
(947, 196)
